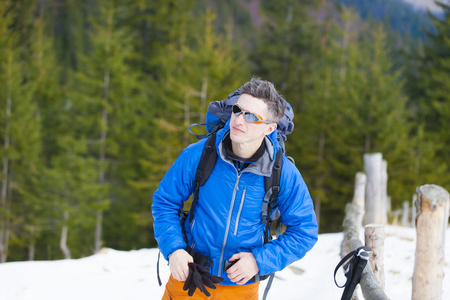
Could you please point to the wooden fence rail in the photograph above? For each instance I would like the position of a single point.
(370, 287)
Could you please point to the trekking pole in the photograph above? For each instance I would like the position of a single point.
(361, 259)
(353, 264)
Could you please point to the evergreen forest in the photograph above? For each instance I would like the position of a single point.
(96, 98)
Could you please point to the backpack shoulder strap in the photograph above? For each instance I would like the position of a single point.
(204, 169)
(272, 186)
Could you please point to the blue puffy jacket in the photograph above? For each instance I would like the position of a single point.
(227, 216)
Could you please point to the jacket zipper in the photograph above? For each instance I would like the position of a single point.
(236, 187)
(239, 212)
(192, 233)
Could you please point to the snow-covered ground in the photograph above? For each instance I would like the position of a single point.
(120, 275)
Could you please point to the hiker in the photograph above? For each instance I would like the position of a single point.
(223, 245)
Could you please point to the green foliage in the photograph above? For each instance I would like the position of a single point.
(19, 129)
(349, 100)
(433, 135)
(96, 98)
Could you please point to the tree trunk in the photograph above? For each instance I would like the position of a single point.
(187, 118)
(287, 51)
(374, 238)
(375, 200)
(432, 219)
(203, 98)
(63, 242)
(4, 206)
(320, 159)
(317, 208)
(368, 139)
(31, 251)
(345, 42)
(104, 131)
(102, 160)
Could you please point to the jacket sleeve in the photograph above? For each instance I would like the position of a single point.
(168, 200)
(297, 214)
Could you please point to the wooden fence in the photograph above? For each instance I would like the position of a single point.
(430, 217)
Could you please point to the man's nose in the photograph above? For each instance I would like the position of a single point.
(240, 119)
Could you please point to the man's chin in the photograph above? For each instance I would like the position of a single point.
(236, 137)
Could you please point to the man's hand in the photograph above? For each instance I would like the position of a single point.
(244, 269)
(178, 262)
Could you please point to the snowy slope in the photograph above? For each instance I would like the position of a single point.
(117, 275)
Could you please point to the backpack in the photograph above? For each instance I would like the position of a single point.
(219, 112)
(217, 115)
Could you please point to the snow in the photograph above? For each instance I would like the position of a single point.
(113, 274)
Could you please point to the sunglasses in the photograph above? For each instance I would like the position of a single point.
(249, 116)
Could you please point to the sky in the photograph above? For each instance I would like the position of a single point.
(427, 4)
(119, 275)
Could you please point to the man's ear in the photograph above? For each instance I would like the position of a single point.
(271, 128)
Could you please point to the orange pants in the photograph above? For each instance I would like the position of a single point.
(174, 291)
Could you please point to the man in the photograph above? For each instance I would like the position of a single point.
(227, 221)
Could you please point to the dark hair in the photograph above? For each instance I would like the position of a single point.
(265, 90)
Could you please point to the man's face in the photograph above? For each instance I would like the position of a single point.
(246, 133)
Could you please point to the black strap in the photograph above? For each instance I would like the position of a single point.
(157, 269)
(272, 186)
(268, 286)
(204, 169)
(215, 128)
(200, 258)
(348, 268)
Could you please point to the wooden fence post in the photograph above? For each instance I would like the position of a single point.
(413, 211)
(374, 238)
(405, 214)
(358, 203)
(383, 186)
(432, 206)
(358, 196)
(375, 195)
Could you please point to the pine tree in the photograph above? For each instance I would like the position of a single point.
(352, 102)
(110, 108)
(285, 46)
(318, 117)
(20, 129)
(301, 55)
(435, 104)
(197, 66)
(374, 113)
